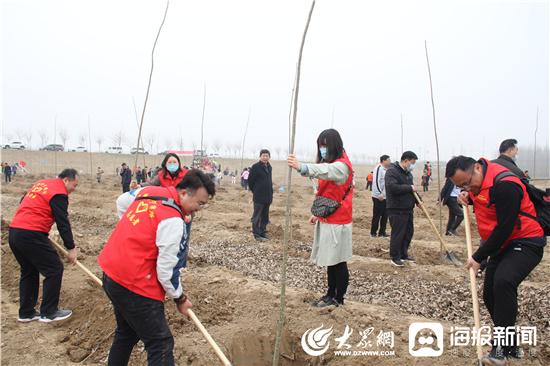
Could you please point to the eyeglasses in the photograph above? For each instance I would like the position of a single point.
(467, 185)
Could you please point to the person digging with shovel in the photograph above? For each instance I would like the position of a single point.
(513, 240)
(141, 265)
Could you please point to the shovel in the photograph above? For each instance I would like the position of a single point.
(473, 286)
(449, 256)
(192, 315)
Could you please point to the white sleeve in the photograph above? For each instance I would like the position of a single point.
(169, 237)
(124, 201)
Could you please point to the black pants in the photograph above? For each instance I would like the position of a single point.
(379, 217)
(36, 255)
(402, 230)
(369, 186)
(425, 188)
(8, 178)
(455, 214)
(338, 280)
(260, 218)
(138, 318)
(503, 275)
(125, 187)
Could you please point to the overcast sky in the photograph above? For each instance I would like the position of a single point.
(364, 65)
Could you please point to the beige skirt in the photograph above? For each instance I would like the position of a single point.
(332, 244)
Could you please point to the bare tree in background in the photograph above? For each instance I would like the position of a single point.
(278, 151)
(168, 144)
(27, 138)
(99, 141)
(118, 138)
(217, 146)
(20, 134)
(64, 136)
(150, 140)
(43, 134)
(82, 140)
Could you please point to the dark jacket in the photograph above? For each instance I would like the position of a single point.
(510, 164)
(446, 191)
(260, 183)
(126, 175)
(399, 196)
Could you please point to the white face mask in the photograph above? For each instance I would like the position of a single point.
(411, 167)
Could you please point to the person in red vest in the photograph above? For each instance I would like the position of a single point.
(369, 181)
(170, 174)
(45, 203)
(332, 244)
(141, 265)
(513, 239)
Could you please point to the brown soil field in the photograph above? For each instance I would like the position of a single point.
(233, 281)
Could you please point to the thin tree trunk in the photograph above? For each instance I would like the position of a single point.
(150, 77)
(137, 124)
(535, 152)
(244, 139)
(402, 148)
(436, 143)
(54, 141)
(202, 121)
(282, 306)
(90, 144)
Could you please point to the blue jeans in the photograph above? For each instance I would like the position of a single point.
(138, 318)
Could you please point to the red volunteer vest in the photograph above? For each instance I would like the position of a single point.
(169, 181)
(486, 215)
(34, 212)
(329, 189)
(130, 255)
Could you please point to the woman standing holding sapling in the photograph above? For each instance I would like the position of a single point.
(332, 213)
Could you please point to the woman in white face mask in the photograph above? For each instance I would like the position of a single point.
(332, 245)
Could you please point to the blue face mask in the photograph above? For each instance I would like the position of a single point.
(172, 167)
(323, 152)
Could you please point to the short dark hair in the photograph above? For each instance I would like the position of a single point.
(265, 151)
(384, 158)
(194, 179)
(461, 162)
(68, 173)
(409, 155)
(332, 140)
(506, 145)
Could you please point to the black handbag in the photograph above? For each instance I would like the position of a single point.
(324, 207)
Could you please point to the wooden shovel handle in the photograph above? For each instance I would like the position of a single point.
(192, 315)
(473, 285)
(430, 220)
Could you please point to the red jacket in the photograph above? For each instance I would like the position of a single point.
(130, 255)
(330, 189)
(169, 181)
(35, 212)
(486, 212)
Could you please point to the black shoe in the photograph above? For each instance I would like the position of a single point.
(515, 352)
(328, 301)
(260, 238)
(494, 358)
(26, 319)
(58, 315)
(265, 236)
(373, 235)
(408, 259)
(453, 232)
(397, 262)
(322, 299)
(384, 235)
(448, 233)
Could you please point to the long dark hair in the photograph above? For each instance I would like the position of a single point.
(163, 165)
(335, 147)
